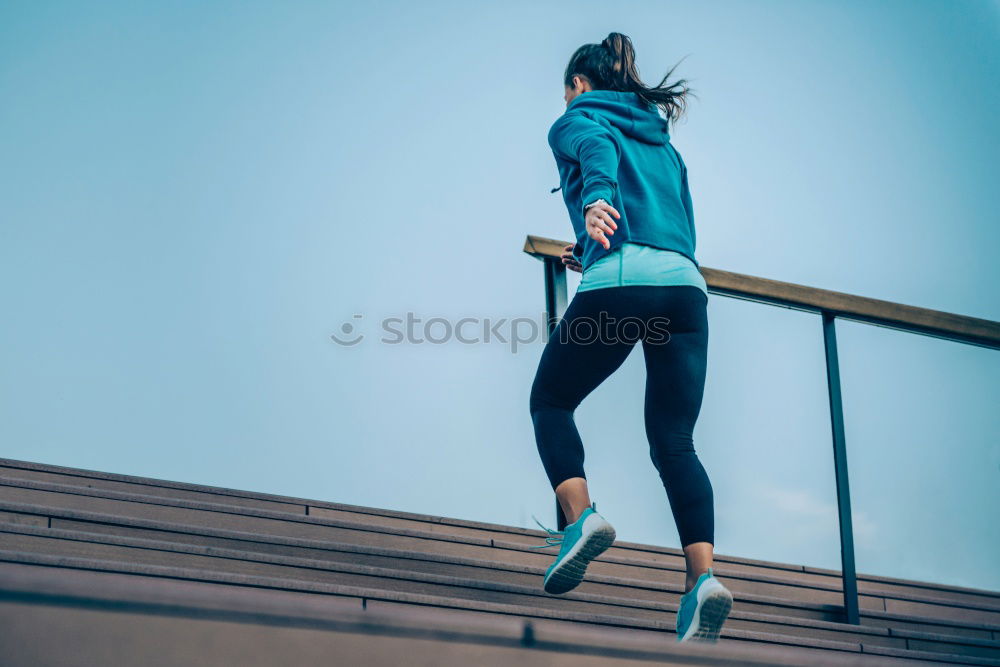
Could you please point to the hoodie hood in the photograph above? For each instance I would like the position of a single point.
(627, 112)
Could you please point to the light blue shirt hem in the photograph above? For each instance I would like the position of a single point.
(638, 264)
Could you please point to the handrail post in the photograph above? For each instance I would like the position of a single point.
(555, 306)
(555, 292)
(850, 584)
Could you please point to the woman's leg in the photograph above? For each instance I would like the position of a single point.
(675, 384)
(577, 358)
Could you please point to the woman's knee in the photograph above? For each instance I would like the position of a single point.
(665, 448)
(542, 398)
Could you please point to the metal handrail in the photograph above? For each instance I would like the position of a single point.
(961, 328)
(829, 305)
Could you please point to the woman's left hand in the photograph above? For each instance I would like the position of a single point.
(570, 260)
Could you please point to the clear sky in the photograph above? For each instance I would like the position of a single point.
(195, 196)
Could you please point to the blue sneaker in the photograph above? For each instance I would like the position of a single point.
(581, 541)
(703, 610)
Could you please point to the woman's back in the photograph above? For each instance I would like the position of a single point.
(612, 145)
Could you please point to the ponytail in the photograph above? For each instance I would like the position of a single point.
(610, 65)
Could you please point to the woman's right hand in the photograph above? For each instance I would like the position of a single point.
(599, 222)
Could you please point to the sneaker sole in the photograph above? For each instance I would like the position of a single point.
(707, 623)
(568, 574)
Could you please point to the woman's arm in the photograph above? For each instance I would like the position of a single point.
(582, 140)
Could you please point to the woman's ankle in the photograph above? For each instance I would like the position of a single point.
(691, 578)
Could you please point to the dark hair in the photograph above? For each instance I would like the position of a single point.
(610, 65)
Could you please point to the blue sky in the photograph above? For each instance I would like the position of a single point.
(195, 196)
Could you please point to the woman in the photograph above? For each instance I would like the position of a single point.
(627, 193)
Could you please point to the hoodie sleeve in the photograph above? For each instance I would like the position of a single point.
(580, 139)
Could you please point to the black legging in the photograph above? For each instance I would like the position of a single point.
(593, 339)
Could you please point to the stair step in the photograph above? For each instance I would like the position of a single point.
(825, 602)
(86, 522)
(732, 636)
(257, 626)
(662, 557)
(400, 576)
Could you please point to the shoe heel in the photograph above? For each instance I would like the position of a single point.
(714, 612)
(568, 575)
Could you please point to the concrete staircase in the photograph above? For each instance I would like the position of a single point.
(107, 569)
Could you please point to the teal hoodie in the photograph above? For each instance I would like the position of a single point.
(611, 144)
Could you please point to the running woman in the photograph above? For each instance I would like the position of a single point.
(626, 190)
